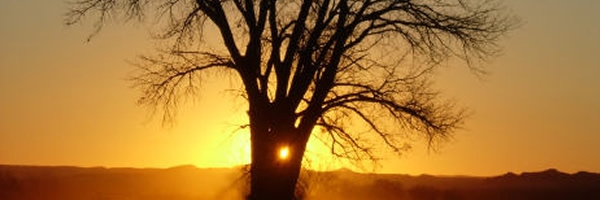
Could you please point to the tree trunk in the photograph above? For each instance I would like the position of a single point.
(273, 177)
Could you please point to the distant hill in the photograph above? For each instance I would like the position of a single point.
(75, 183)
(546, 185)
(189, 182)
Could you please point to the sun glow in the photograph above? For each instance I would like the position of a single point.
(284, 153)
(236, 150)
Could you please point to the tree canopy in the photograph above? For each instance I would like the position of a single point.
(331, 64)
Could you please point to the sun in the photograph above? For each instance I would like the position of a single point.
(284, 153)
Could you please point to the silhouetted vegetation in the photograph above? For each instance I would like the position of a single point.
(334, 65)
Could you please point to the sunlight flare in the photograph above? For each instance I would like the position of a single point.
(284, 153)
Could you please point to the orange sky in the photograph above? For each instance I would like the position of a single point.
(66, 102)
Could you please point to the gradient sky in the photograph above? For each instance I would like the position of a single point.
(66, 102)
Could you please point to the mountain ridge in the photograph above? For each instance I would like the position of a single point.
(190, 182)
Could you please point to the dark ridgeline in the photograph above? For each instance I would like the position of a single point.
(187, 182)
(546, 185)
(75, 183)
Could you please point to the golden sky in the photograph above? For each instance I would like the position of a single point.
(66, 102)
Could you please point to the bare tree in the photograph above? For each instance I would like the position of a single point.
(314, 65)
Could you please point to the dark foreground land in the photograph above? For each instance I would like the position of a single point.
(188, 182)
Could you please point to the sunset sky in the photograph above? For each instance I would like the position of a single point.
(65, 101)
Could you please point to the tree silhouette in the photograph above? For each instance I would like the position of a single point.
(327, 65)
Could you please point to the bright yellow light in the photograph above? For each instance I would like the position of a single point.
(284, 153)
